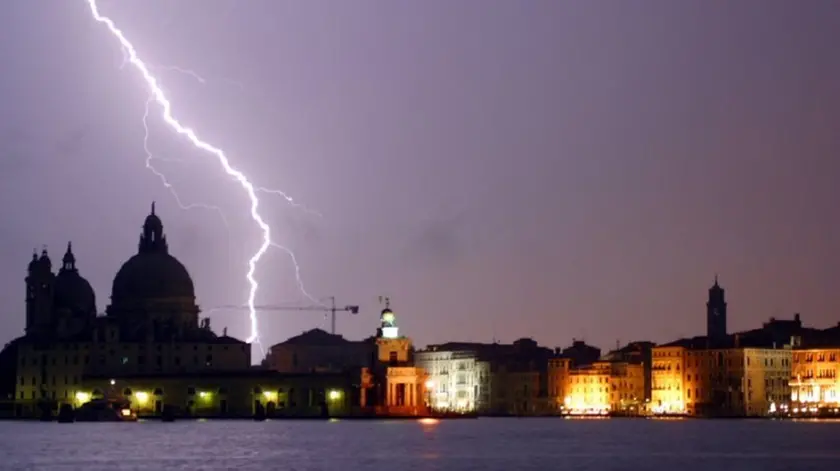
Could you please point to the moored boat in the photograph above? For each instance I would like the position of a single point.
(101, 410)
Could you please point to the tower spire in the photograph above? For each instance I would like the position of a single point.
(69, 260)
(152, 238)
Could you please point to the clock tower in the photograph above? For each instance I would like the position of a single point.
(716, 314)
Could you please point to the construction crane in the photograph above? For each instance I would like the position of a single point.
(332, 309)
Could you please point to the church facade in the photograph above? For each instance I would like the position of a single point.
(151, 327)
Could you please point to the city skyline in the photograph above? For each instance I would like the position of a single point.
(716, 305)
(551, 170)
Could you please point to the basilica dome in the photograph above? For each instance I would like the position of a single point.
(152, 274)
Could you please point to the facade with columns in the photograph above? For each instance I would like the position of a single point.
(394, 386)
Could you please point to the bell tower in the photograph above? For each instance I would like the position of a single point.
(716, 314)
(40, 283)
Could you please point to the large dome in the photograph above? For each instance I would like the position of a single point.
(152, 274)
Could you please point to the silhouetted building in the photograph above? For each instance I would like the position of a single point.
(319, 351)
(151, 327)
(581, 354)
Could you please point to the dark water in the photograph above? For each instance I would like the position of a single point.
(483, 444)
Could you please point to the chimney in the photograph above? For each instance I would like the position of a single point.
(737, 340)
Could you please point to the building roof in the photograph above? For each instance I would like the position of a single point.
(254, 372)
(316, 337)
(633, 351)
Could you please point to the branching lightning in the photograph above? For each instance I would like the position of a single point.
(163, 178)
(157, 96)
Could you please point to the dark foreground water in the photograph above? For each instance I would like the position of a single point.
(483, 444)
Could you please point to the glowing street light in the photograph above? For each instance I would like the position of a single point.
(142, 397)
(82, 397)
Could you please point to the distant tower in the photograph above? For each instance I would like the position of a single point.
(40, 282)
(716, 314)
(393, 349)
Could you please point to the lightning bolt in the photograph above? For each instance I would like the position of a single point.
(163, 178)
(198, 78)
(157, 95)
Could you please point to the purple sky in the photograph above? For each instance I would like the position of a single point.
(552, 169)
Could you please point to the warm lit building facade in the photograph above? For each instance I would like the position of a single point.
(740, 381)
(667, 367)
(559, 370)
(603, 387)
(588, 389)
(815, 379)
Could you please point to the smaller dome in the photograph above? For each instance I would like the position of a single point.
(73, 292)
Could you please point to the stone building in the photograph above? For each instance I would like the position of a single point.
(488, 378)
